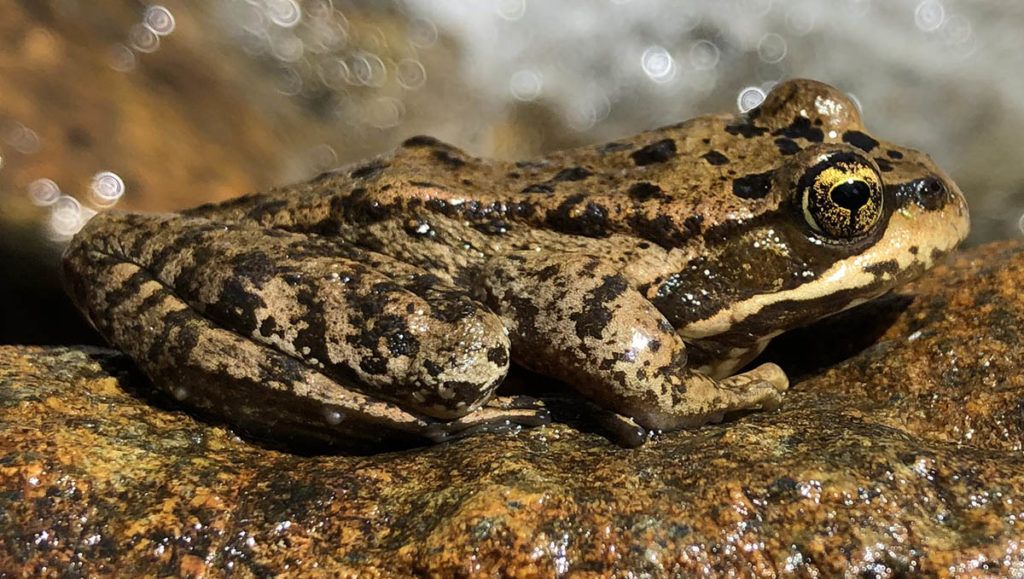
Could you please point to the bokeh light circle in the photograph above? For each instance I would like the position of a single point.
(142, 39)
(772, 48)
(24, 140)
(510, 9)
(43, 192)
(410, 73)
(704, 55)
(66, 216)
(159, 19)
(122, 58)
(284, 13)
(658, 64)
(526, 85)
(929, 15)
(749, 98)
(106, 188)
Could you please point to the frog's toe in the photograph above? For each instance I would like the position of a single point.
(501, 414)
(516, 403)
(760, 388)
(769, 373)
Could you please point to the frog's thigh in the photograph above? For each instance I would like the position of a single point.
(218, 371)
(576, 318)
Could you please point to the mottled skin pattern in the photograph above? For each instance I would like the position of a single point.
(385, 300)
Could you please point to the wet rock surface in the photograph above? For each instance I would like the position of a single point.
(904, 457)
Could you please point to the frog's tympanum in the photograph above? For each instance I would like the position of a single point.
(385, 301)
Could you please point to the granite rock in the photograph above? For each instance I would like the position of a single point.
(903, 456)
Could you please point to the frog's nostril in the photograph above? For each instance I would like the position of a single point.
(930, 192)
(934, 187)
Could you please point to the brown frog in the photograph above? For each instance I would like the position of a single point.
(385, 301)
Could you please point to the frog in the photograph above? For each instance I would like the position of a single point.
(384, 302)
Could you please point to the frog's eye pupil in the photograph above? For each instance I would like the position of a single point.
(852, 194)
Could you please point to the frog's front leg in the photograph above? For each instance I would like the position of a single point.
(576, 318)
(293, 336)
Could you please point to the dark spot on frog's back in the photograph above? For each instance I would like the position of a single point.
(360, 204)
(658, 152)
(754, 186)
(787, 146)
(572, 174)
(448, 158)
(368, 170)
(592, 221)
(894, 154)
(643, 191)
(664, 231)
(860, 140)
(715, 158)
(538, 188)
(422, 141)
(801, 128)
(745, 129)
(612, 147)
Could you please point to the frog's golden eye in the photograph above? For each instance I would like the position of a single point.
(842, 197)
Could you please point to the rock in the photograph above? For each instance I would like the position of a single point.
(902, 459)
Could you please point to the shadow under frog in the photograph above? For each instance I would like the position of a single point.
(384, 303)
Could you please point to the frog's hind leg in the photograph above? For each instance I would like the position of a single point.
(575, 317)
(303, 335)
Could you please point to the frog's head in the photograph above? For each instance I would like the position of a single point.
(832, 216)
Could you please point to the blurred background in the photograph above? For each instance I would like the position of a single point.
(160, 106)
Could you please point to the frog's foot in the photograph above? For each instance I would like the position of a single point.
(770, 373)
(761, 387)
(500, 414)
(709, 400)
(575, 317)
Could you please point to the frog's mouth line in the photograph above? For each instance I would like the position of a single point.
(899, 255)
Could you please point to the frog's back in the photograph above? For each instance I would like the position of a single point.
(664, 186)
(668, 186)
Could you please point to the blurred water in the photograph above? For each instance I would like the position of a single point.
(939, 75)
(512, 78)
